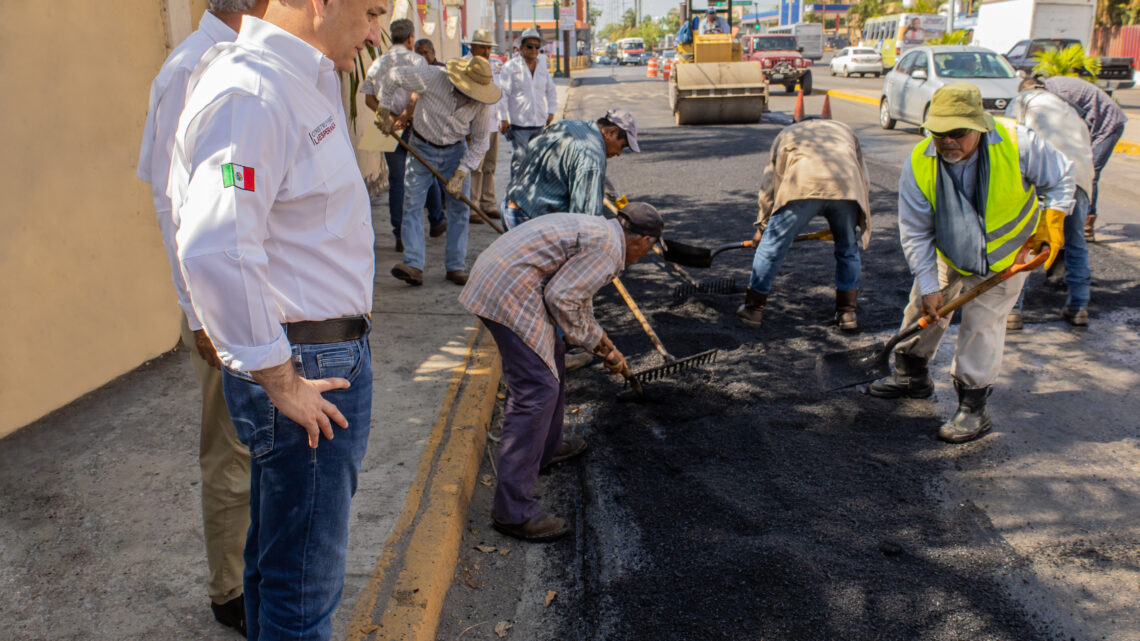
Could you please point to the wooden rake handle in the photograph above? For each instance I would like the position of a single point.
(465, 199)
(642, 319)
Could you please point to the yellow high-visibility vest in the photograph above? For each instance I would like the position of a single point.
(1011, 210)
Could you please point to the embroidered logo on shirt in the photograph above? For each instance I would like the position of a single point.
(237, 176)
(320, 131)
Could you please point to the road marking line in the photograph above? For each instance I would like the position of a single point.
(1125, 147)
(853, 97)
(415, 568)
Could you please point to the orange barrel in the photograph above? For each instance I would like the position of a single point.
(652, 68)
(668, 69)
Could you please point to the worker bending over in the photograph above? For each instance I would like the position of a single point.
(531, 280)
(967, 209)
(815, 168)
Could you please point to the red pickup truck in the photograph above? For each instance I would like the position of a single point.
(779, 57)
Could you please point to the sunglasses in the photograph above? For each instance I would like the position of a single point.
(530, 46)
(953, 133)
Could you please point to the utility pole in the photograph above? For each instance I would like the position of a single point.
(558, 41)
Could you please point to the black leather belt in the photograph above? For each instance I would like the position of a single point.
(333, 330)
(525, 128)
(419, 137)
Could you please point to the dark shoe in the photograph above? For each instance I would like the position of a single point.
(399, 245)
(438, 230)
(475, 219)
(231, 613)
(1013, 321)
(578, 360)
(911, 379)
(571, 447)
(751, 313)
(845, 309)
(1090, 236)
(457, 276)
(539, 529)
(1076, 317)
(493, 213)
(409, 275)
(971, 420)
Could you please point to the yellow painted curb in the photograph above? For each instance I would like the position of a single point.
(854, 97)
(1125, 147)
(404, 596)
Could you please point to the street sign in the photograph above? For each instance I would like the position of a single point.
(566, 16)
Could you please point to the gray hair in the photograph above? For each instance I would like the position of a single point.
(401, 30)
(234, 6)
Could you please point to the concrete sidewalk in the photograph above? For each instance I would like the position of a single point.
(100, 522)
(1129, 100)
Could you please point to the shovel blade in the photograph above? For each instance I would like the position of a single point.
(844, 369)
(687, 255)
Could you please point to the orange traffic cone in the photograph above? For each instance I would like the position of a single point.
(798, 114)
(825, 114)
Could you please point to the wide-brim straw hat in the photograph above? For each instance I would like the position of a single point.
(481, 37)
(957, 105)
(472, 76)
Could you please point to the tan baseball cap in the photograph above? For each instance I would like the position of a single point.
(957, 105)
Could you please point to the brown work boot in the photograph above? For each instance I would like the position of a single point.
(752, 311)
(438, 230)
(845, 309)
(457, 276)
(474, 219)
(971, 420)
(541, 528)
(1090, 235)
(409, 275)
(572, 446)
(491, 212)
(910, 379)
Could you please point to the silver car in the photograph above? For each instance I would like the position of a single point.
(910, 85)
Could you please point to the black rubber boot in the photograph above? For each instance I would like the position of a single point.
(845, 309)
(971, 420)
(752, 311)
(911, 379)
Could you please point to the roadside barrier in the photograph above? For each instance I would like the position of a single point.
(667, 70)
(651, 69)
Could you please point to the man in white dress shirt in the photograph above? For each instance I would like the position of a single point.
(454, 106)
(223, 459)
(529, 97)
(275, 243)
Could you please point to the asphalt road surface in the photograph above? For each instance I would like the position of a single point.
(740, 502)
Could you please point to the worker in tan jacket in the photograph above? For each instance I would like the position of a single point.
(815, 168)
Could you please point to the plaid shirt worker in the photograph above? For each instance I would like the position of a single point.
(378, 82)
(444, 116)
(564, 170)
(545, 273)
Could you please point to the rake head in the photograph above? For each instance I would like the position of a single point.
(720, 286)
(677, 366)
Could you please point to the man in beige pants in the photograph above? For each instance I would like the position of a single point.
(223, 459)
(483, 178)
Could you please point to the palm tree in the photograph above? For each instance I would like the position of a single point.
(1067, 62)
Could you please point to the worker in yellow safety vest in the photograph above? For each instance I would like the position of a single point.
(968, 207)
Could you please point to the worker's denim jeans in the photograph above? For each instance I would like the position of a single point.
(417, 182)
(1075, 257)
(520, 138)
(1101, 151)
(396, 161)
(299, 497)
(791, 219)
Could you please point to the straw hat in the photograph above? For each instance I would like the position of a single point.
(481, 37)
(472, 77)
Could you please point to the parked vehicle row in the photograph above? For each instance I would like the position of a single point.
(860, 60)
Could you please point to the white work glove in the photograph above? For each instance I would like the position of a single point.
(455, 183)
(384, 120)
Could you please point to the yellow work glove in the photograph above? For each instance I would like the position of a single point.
(455, 183)
(384, 120)
(1050, 231)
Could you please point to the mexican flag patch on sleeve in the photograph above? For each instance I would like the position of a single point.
(237, 176)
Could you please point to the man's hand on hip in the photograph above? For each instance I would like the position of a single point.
(930, 305)
(206, 350)
(300, 399)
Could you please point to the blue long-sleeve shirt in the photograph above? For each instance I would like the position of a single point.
(564, 171)
(1041, 166)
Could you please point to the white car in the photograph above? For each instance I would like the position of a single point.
(860, 60)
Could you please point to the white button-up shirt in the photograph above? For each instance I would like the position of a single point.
(167, 96)
(444, 116)
(378, 81)
(273, 218)
(528, 99)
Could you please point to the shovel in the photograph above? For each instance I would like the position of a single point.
(693, 256)
(865, 364)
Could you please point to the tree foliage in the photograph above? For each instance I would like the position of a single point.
(650, 30)
(1115, 13)
(959, 37)
(1067, 62)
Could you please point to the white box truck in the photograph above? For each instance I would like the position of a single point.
(1004, 23)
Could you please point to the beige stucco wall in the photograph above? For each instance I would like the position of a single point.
(85, 290)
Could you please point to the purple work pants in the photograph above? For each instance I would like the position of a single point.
(532, 422)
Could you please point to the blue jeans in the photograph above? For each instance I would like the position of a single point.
(1075, 257)
(299, 497)
(418, 181)
(396, 161)
(1101, 151)
(791, 219)
(520, 138)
